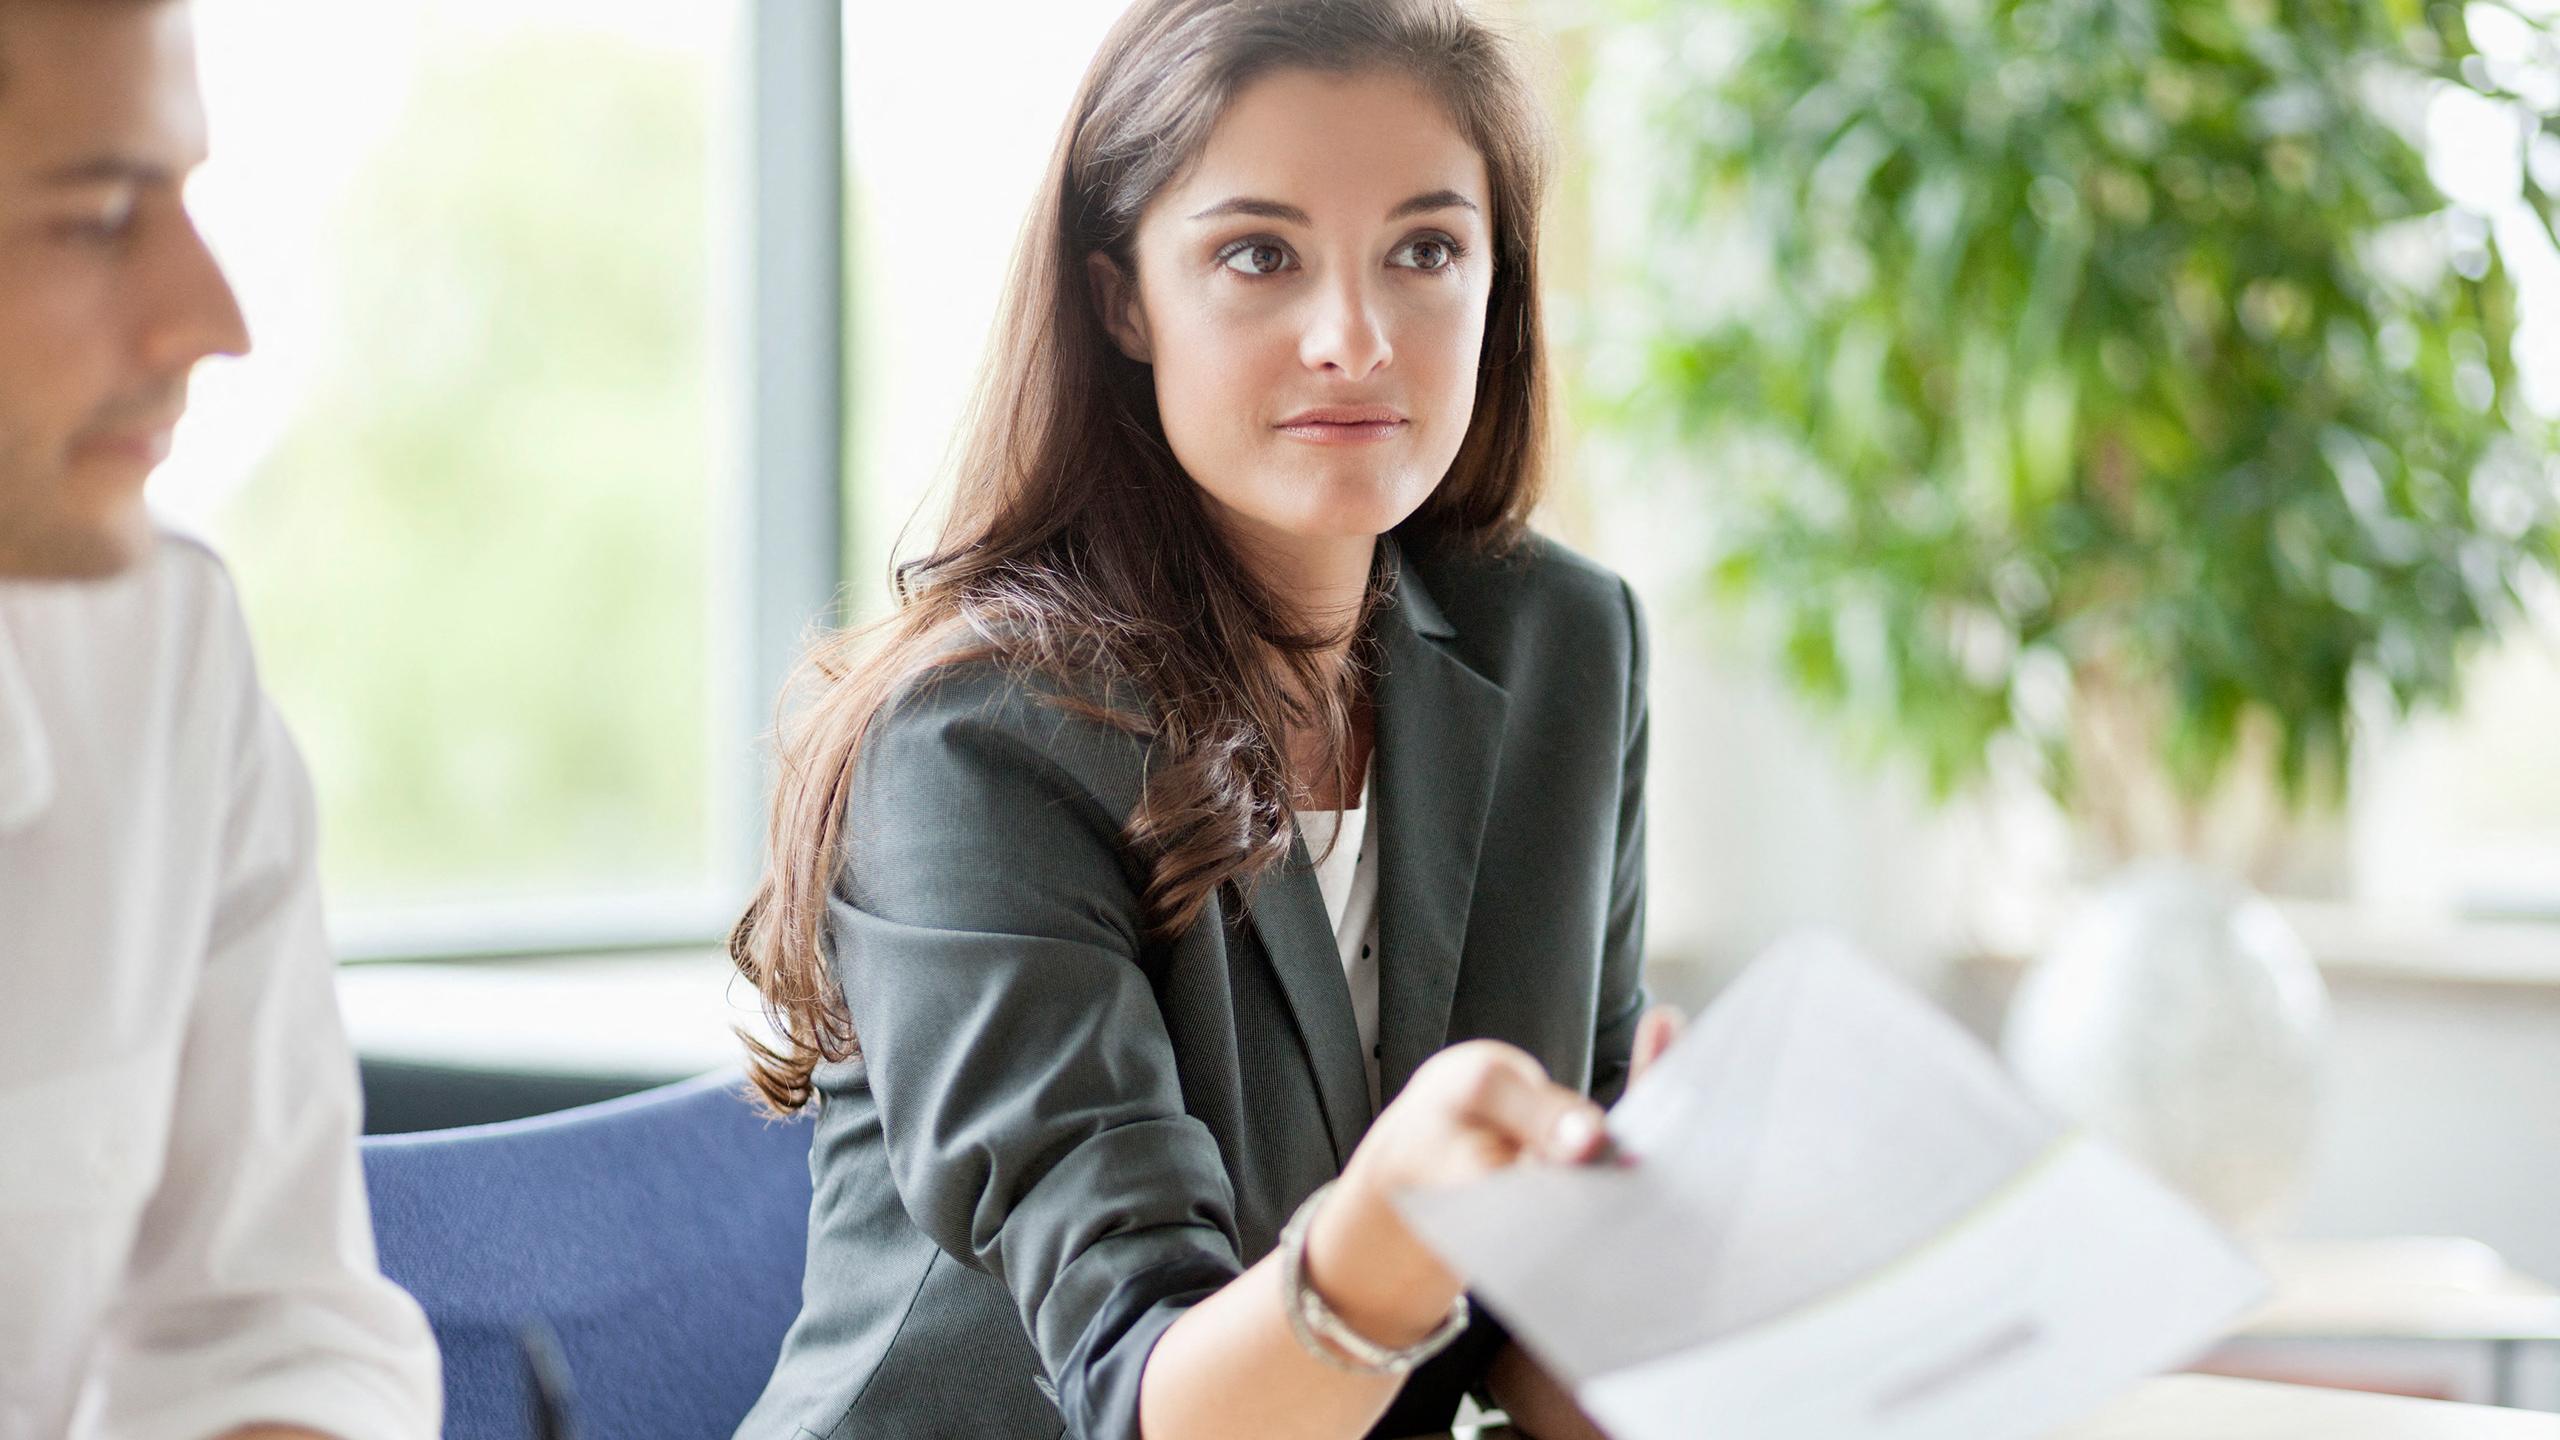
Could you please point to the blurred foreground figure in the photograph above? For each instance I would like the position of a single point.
(184, 1246)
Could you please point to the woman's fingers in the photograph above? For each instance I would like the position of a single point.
(1660, 1026)
(1504, 1090)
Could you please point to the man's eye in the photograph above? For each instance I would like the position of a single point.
(1261, 257)
(97, 228)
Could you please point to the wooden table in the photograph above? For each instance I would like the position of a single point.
(2205, 1407)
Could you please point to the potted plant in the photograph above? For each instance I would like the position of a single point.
(2106, 383)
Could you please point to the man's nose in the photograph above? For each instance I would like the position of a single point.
(193, 312)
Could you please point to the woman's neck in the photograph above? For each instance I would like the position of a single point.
(1319, 582)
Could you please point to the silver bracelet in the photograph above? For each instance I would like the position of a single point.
(1310, 1317)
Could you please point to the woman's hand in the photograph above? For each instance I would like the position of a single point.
(1474, 1108)
(1231, 1366)
(1660, 1026)
(1539, 1406)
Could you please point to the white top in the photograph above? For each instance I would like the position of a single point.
(1349, 879)
(184, 1244)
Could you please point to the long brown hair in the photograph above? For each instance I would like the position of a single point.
(1076, 546)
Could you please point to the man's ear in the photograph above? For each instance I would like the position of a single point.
(1115, 300)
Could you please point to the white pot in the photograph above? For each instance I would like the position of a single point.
(2179, 1018)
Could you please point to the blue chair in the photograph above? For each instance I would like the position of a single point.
(659, 1237)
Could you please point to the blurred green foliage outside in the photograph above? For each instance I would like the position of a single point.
(477, 565)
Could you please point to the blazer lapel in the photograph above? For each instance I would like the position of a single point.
(1439, 736)
(1288, 913)
(1439, 741)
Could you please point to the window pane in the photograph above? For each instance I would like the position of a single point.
(2461, 812)
(471, 483)
(931, 256)
(2503, 805)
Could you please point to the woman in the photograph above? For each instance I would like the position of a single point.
(1237, 761)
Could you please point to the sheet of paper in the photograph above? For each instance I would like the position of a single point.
(1842, 1221)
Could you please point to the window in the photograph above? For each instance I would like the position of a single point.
(935, 252)
(2460, 814)
(498, 485)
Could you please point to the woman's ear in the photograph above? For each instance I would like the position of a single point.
(1115, 300)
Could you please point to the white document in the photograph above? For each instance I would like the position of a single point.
(1841, 1221)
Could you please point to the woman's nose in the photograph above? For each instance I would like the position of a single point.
(1345, 333)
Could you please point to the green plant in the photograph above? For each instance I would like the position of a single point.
(2033, 354)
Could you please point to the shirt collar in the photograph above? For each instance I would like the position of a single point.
(26, 756)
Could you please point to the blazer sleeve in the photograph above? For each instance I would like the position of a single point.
(986, 930)
(1622, 993)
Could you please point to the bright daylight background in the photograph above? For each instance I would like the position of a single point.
(480, 487)
(472, 479)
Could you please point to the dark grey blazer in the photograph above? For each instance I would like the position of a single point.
(1059, 1134)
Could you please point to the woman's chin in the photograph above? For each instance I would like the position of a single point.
(1347, 525)
(1332, 508)
(1365, 506)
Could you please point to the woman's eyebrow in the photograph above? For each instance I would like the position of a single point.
(1274, 210)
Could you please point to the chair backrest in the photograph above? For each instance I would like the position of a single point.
(659, 1236)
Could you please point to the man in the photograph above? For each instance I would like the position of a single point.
(184, 1246)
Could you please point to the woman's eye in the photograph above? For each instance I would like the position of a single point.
(1430, 254)
(1260, 257)
(1433, 253)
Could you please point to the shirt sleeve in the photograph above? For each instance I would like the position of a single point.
(987, 933)
(1622, 992)
(253, 1294)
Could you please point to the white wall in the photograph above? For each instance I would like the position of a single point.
(2443, 1117)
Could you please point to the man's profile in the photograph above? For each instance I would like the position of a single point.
(184, 1244)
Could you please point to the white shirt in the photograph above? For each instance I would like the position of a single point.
(1349, 880)
(184, 1243)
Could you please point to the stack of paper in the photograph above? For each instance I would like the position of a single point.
(1841, 1221)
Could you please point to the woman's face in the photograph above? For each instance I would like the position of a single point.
(1311, 297)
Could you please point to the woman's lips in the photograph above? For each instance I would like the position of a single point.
(1323, 432)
